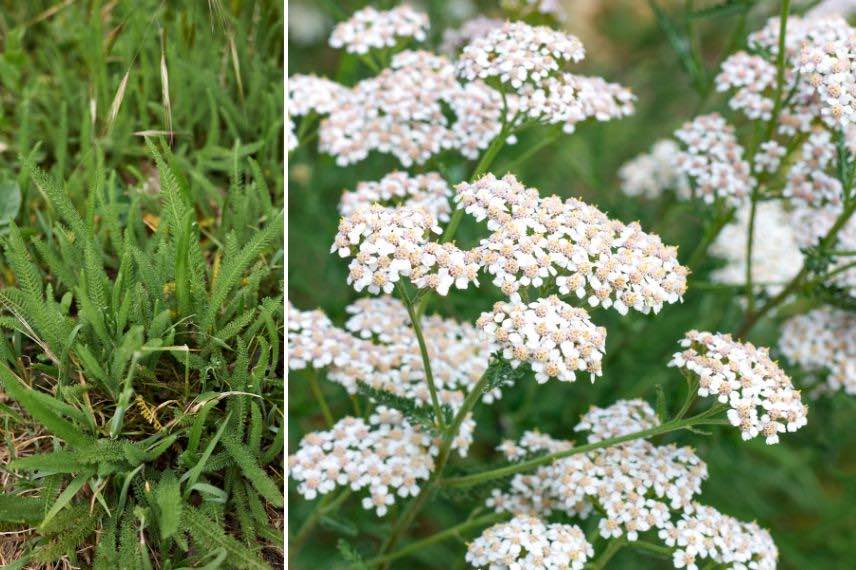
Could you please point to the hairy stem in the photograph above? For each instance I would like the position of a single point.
(771, 127)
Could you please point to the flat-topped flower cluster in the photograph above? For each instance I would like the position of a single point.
(428, 191)
(386, 244)
(703, 532)
(377, 347)
(760, 395)
(635, 488)
(823, 341)
(370, 28)
(387, 456)
(404, 109)
(554, 338)
(633, 484)
(713, 160)
(537, 241)
(527, 542)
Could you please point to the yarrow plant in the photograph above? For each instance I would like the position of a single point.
(443, 227)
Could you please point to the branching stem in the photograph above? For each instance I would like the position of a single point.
(524, 466)
(452, 532)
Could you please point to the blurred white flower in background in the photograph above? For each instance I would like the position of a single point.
(307, 24)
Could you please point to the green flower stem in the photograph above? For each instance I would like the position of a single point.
(523, 466)
(651, 547)
(752, 318)
(710, 234)
(409, 514)
(482, 166)
(355, 402)
(458, 215)
(780, 67)
(771, 127)
(546, 140)
(750, 238)
(840, 269)
(452, 532)
(319, 396)
(613, 547)
(328, 503)
(426, 361)
(692, 394)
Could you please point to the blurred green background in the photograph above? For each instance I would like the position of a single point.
(803, 490)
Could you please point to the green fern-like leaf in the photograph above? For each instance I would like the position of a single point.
(209, 535)
(167, 496)
(251, 470)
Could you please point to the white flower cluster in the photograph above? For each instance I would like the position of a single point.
(517, 53)
(310, 93)
(633, 484)
(703, 532)
(652, 173)
(386, 244)
(313, 340)
(459, 356)
(456, 38)
(529, 60)
(402, 111)
(829, 63)
(713, 160)
(388, 456)
(527, 542)
(429, 191)
(805, 38)
(811, 224)
(807, 179)
(752, 76)
(761, 397)
(775, 260)
(637, 487)
(369, 28)
(621, 418)
(576, 246)
(556, 339)
(307, 23)
(826, 8)
(823, 340)
(769, 156)
(567, 99)
(383, 353)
